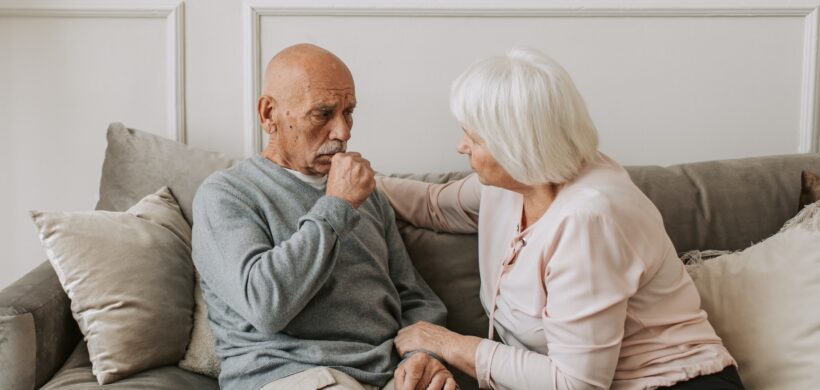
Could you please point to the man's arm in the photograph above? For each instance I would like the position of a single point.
(266, 283)
(418, 301)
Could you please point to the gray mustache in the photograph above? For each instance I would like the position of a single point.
(332, 147)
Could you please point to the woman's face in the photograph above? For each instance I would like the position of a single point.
(488, 170)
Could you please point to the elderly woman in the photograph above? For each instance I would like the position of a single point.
(578, 275)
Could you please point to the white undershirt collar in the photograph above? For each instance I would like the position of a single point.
(317, 182)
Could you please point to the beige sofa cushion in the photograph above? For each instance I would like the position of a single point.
(763, 303)
(130, 280)
(200, 357)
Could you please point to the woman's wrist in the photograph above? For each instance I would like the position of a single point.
(460, 352)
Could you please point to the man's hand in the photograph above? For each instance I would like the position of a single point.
(422, 372)
(350, 178)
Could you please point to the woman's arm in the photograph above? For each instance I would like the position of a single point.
(450, 207)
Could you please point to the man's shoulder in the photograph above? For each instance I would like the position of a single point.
(229, 181)
(379, 201)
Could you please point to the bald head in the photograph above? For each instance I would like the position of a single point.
(300, 67)
(306, 107)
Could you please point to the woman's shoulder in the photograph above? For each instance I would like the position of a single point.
(604, 191)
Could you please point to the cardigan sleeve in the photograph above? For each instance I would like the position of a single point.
(450, 207)
(591, 272)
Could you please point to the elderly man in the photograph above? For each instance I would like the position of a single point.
(305, 275)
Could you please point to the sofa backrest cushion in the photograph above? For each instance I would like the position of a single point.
(449, 264)
(727, 204)
(138, 164)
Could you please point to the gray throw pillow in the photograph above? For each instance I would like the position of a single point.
(137, 163)
(130, 279)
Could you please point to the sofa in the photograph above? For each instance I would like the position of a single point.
(723, 205)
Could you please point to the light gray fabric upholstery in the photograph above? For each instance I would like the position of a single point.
(138, 163)
(728, 204)
(76, 375)
(38, 303)
(18, 352)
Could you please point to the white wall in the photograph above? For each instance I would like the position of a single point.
(666, 81)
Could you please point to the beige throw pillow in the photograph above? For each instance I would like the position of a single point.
(130, 280)
(763, 303)
(201, 356)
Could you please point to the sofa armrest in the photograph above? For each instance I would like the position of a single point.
(37, 331)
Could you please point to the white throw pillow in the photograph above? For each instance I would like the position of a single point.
(764, 302)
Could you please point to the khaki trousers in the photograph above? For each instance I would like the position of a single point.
(324, 378)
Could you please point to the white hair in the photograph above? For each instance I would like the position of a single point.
(528, 111)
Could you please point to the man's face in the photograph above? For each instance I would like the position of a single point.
(314, 121)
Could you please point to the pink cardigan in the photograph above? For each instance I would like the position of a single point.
(590, 296)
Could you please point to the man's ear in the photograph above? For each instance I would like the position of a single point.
(266, 109)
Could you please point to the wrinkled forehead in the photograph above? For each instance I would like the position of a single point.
(328, 89)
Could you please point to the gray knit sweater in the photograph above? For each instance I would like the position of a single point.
(295, 279)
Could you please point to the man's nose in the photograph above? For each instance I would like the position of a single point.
(341, 129)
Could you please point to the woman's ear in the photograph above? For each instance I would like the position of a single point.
(266, 109)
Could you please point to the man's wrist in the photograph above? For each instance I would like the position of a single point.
(424, 351)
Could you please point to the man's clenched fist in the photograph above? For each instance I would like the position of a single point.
(350, 178)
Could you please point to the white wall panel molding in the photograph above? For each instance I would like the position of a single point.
(809, 100)
(254, 10)
(172, 11)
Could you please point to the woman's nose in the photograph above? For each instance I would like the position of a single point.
(462, 147)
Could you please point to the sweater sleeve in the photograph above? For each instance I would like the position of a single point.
(266, 283)
(418, 301)
(589, 278)
(450, 207)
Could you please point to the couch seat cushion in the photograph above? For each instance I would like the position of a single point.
(76, 375)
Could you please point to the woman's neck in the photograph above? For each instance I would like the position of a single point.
(537, 200)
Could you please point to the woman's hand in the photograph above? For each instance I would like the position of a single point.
(424, 335)
(457, 350)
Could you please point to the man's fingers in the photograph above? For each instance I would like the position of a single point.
(438, 381)
(398, 376)
(450, 384)
(412, 380)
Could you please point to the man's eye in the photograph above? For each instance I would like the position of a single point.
(323, 115)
